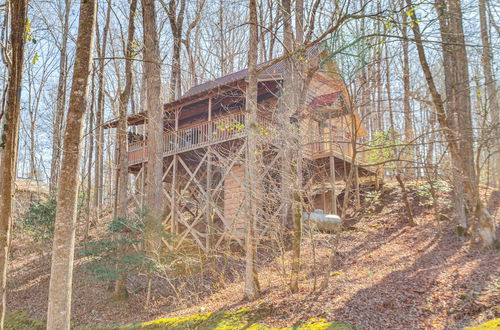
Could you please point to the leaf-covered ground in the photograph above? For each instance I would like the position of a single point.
(387, 275)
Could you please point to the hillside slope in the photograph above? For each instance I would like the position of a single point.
(387, 275)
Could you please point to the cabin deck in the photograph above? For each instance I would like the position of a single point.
(230, 127)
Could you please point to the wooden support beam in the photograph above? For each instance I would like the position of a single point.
(208, 197)
(177, 118)
(173, 205)
(210, 109)
(332, 167)
(143, 184)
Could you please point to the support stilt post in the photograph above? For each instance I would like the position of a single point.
(209, 215)
(208, 201)
(332, 182)
(173, 193)
(332, 167)
(356, 183)
(173, 206)
(143, 184)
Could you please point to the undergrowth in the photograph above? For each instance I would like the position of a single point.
(20, 320)
(244, 318)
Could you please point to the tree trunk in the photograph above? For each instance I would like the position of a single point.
(60, 103)
(59, 310)
(122, 186)
(10, 135)
(491, 91)
(408, 127)
(90, 156)
(251, 281)
(459, 113)
(458, 104)
(152, 72)
(176, 21)
(99, 131)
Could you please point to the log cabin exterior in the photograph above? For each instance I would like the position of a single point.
(204, 150)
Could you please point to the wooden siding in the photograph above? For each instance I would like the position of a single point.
(233, 201)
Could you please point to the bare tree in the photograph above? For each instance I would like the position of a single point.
(408, 127)
(10, 135)
(122, 185)
(176, 21)
(61, 276)
(459, 138)
(154, 167)
(60, 101)
(193, 27)
(491, 91)
(252, 290)
(99, 131)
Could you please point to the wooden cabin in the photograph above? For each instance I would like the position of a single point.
(204, 149)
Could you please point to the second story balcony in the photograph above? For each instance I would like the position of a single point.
(231, 127)
(222, 129)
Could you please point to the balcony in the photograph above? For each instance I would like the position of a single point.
(232, 127)
(320, 146)
(219, 130)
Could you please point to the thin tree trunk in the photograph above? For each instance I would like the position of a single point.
(152, 72)
(251, 281)
(90, 155)
(122, 186)
(408, 127)
(60, 103)
(176, 21)
(10, 135)
(409, 210)
(490, 82)
(222, 58)
(99, 131)
(61, 276)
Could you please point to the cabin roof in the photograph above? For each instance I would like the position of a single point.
(324, 100)
(274, 70)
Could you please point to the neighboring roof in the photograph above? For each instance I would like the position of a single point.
(275, 69)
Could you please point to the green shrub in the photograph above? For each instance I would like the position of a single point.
(384, 146)
(41, 216)
(431, 193)
(20, 320)
(373, 197)
(39, 220)
(121, 251)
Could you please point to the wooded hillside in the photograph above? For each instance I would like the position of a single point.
(265, 161)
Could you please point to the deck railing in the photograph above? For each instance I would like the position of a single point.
(320, 145)
(221, 129)
(230, 127)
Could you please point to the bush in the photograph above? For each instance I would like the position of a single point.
(39, 220)
(41, 216)
(20, 320)
(122, 252)
(433, 192)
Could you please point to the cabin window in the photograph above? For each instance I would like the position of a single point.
(325, 127)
